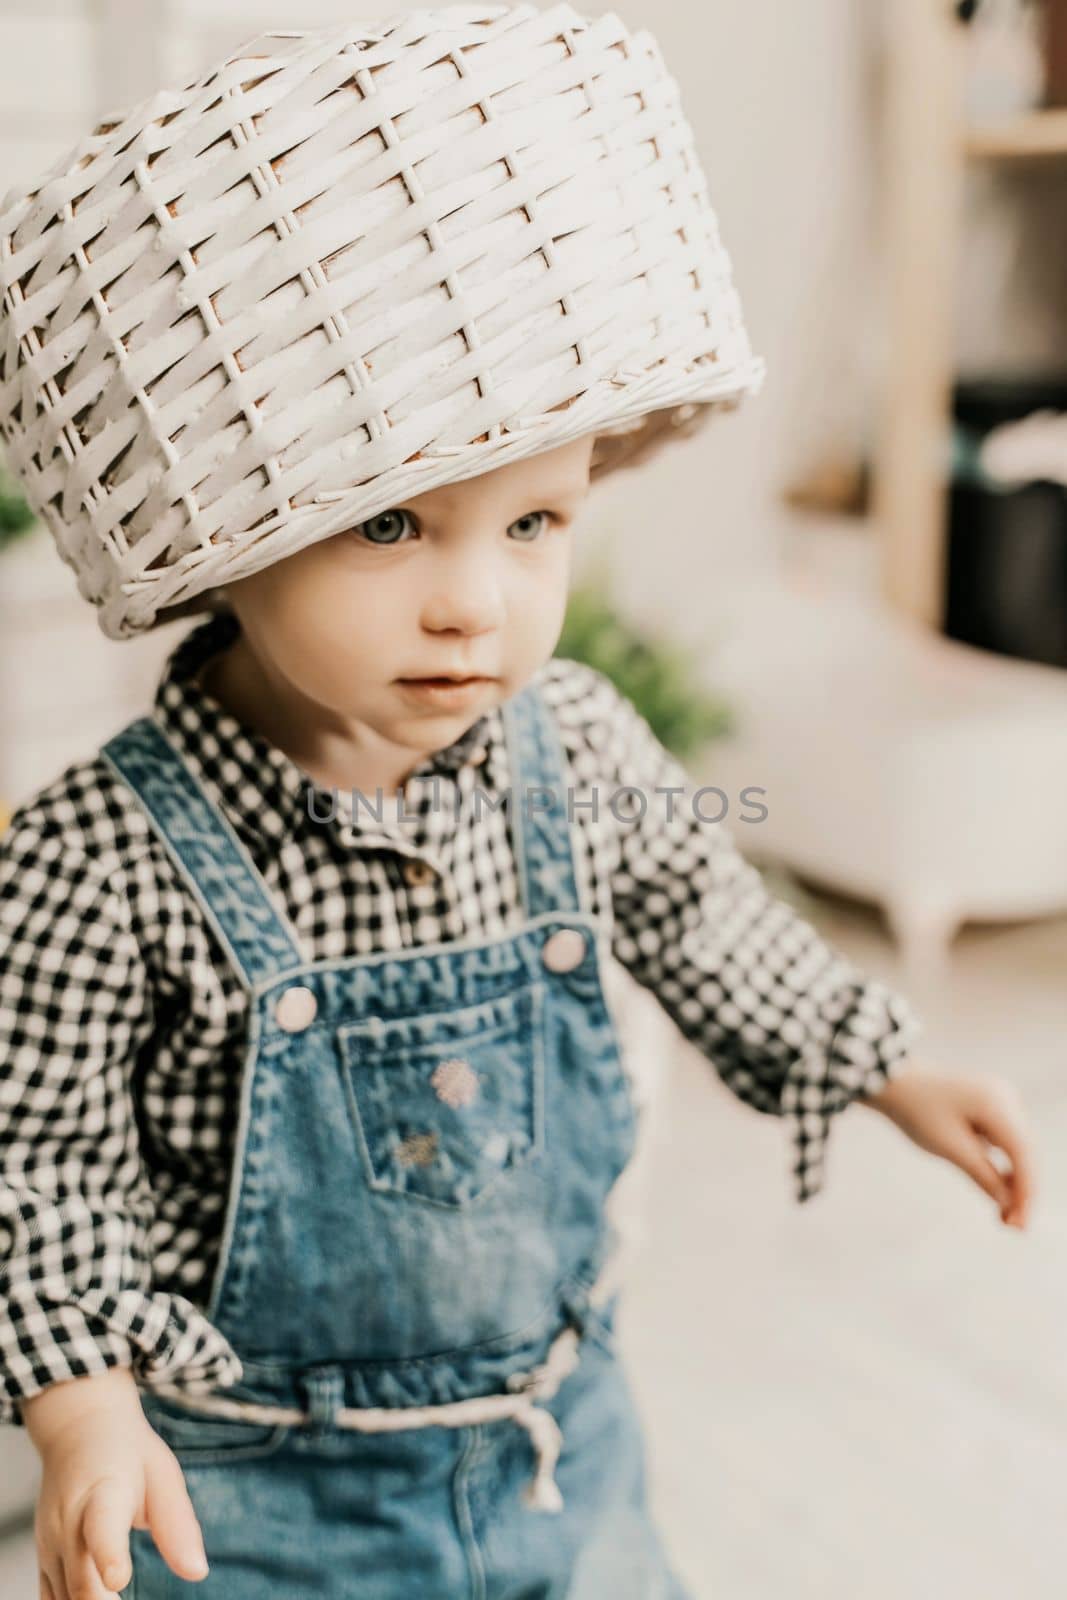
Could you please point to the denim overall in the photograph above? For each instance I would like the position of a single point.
(415, 1218)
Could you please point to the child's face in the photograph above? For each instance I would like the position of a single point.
(469, 578)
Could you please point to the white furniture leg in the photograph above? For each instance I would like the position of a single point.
(923, 930)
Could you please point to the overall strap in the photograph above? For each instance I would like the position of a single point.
(258, 939)
(540, 827)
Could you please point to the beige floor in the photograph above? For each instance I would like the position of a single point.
(864, 1398)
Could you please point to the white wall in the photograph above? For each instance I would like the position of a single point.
(781, 101)
(46, 82)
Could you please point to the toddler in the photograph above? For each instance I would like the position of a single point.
(312, 1101)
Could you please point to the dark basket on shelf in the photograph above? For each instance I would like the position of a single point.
(1006, 587)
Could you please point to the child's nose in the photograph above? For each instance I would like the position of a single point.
(465, 602)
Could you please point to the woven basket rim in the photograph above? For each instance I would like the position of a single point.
(635, 446)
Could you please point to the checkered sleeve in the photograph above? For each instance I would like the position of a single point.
(791, 1027)
(76, 1290)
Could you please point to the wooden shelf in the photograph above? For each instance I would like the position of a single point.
(1037, 136)
(930, 144)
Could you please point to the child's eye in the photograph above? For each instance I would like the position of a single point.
(382, 529)
(531, 524)
(387, 527)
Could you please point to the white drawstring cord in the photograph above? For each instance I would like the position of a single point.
(542, 1492)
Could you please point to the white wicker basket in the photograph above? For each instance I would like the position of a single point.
(345, 266)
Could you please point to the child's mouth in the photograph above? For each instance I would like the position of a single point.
(445, 688)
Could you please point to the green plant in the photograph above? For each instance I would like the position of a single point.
(16, 518)
(658, 677)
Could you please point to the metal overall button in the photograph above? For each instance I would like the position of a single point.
(564, 951)
(296, 1009)
(417, 872)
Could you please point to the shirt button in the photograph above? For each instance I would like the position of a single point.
(564, 951)
(417, 872)
(296, 1009)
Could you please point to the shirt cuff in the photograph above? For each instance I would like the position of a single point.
(160, 1337)
(874, 1036)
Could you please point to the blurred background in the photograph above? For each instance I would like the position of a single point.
(864, 612)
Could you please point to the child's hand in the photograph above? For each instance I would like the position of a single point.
(105, 1470)
(959, 1118)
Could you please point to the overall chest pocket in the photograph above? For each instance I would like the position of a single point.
(446, 1105)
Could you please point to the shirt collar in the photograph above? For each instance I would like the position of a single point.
(261, 788)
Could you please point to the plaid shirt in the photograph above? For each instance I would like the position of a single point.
(122, 1028)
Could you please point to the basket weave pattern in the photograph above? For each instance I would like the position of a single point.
(342, 267)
